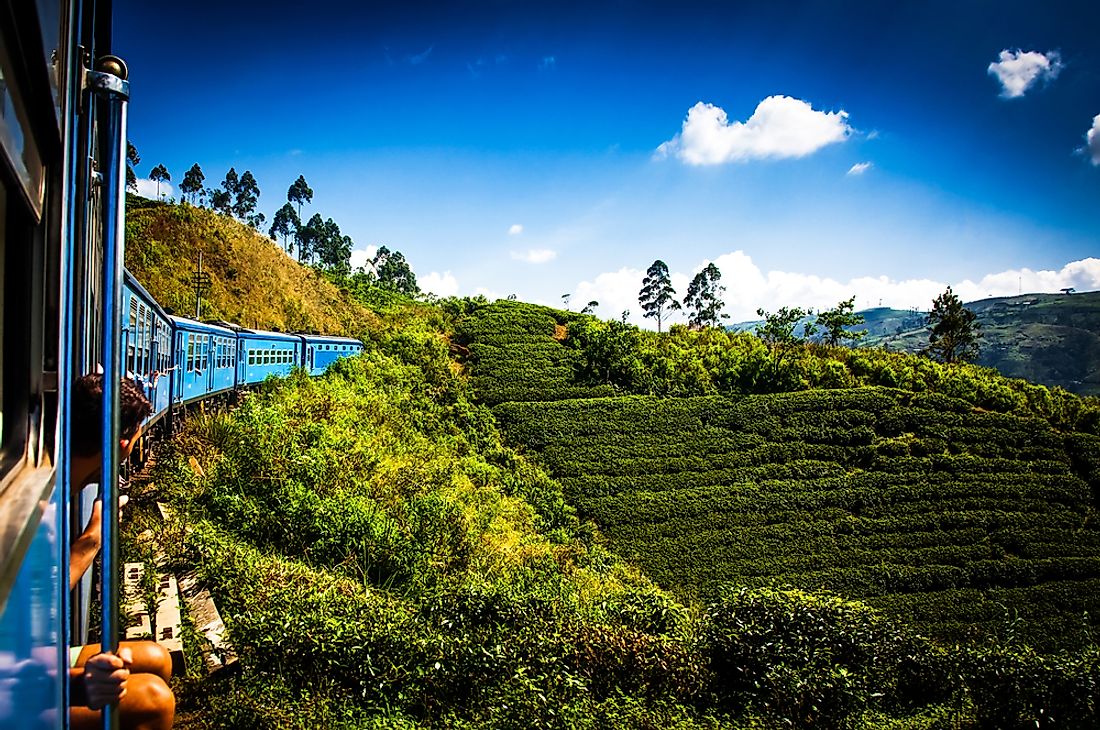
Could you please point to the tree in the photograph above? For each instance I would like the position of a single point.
(133, 159)
(158, 175)
(333, 248)
(394, 273)
(954, 332)
(657, 295)
(308, 238)
(286, 222)
(590, 308)
(778, 330)
(192, 182)
(299, 193)
(837, 321)
(704, 299)
(256, 220)
(221, 201)
(247, 195)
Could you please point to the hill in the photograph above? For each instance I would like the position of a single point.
(1052, 339)
(926, 504)
(384, 558)
(253, 282)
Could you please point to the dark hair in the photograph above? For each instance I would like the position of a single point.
(87, 430)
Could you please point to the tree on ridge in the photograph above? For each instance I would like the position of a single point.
(299, 192)
(837, 320)
(133, 159)
(192, 182)
(158, 175)
(657, 295)
(954, 330)
(704, 299)
(286, 222)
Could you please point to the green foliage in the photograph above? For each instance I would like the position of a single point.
(246, 194)
(393, 272)
(704, 298)
(158, 175)
(913, 502)
(837, 323)
(192, 182)
(954, 333)
(299, 192)
(807, 660)
(657, 295)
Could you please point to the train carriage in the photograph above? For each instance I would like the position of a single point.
(262, 354)
(205, 365)
(147, 345)
(320, 351)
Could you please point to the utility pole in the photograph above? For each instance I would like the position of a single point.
(201, 281)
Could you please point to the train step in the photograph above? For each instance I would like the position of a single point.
(163, 621)
(217, 652)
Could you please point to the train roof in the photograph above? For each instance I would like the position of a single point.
(192, 324)
(143, 293)
(330, 338)
(245, 332)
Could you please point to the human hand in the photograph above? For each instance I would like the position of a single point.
(105, 678)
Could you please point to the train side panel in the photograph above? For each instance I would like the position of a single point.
(147, 346)
(204, 359)
(263, 354)
(321, 351)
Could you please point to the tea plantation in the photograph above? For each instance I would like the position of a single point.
(964, 522)
(949, 518)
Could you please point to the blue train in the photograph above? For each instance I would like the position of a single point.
(67, 308)
(179, 361)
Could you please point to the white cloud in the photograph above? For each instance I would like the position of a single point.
(515, 230)
(1019, 70)
(442, 285)
(780, 127)
(359, 257)
(535, 255)
(1092, 140)
(147, 188)
(748, 288)
(859, 168)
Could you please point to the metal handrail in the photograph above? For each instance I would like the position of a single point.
(109, 83)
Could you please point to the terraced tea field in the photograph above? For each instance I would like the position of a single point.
(963, 522)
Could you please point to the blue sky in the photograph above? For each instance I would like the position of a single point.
(812, 150)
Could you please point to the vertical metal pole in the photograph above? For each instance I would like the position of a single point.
(108, 81)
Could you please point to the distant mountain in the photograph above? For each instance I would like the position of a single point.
(1053, 339)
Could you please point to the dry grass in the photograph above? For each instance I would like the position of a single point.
(254, 283)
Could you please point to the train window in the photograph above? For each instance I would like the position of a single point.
(251, 357)
(17, 136)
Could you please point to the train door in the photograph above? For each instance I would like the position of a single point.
(181, 367)
(211, 361)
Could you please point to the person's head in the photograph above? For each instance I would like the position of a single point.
(87, 415)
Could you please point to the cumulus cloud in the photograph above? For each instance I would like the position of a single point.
(749, 288)
(360, 257)
(515, 230)
(147, 188)
(535, 255)
(859, 168)
(780, 127)
(442, 285)
(1092, 141)
(1020, 70)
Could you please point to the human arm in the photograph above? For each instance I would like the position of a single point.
(85, 547)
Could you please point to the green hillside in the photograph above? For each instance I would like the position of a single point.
(1052, 339)
(386, 556)
(931, 505)
(943, 517)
